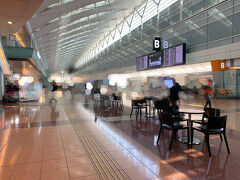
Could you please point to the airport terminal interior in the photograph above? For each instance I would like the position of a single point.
(119, 89)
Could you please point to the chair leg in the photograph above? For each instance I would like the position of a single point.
(137, 110)
(221, 136)
(141, 112)
(188, 138)
(226, 142)
(208, 145)
(159, 134)
(173, 134)
(192, 131)
(131, 113)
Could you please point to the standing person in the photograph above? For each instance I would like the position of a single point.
(207, 94)
(54, 84)
(54, 88)
(174, 90)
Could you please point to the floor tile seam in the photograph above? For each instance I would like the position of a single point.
(115, 166)
(12, 174)
(64, 153)
(145, 150)
(40, 177)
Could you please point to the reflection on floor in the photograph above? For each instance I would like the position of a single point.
(72, 140)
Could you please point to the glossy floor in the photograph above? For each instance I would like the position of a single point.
(71, 140)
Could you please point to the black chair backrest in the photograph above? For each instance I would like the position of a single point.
(211, 112)
(165, 102)
(166, 118)
(158, 104)
(138, 102)
(142, 101)
(134, 102)
(217, 122)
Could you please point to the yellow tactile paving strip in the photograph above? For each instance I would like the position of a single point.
(106, 167)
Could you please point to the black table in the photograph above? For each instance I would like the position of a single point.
(190, 112)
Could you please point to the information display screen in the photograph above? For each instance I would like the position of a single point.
(168, 57)
(142, 63)
(174, 56)
(155, 60)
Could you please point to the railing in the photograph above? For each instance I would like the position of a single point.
(16, 43)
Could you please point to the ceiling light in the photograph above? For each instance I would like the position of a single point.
(9, 22)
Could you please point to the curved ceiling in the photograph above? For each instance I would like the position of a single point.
(15, 13)
(63, 30)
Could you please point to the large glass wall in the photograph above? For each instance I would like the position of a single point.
(205, 24)
(201, 24)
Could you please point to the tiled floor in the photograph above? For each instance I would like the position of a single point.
(39, 141)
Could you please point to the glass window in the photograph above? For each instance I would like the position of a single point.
(236, 39)
(209, 3)
(220, 28)
(149, 28)
(125, 41)
(236, 29)
(220, 43)
(197, 48)
(236, 17)
(193, 7)
(168, 36)
(135, 35)
(180, 33)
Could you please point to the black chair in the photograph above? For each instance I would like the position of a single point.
(117, 100)
(138, 105)
(207, 113)
(162, 105)
(215, 125)
(158, 105)
(168, 122)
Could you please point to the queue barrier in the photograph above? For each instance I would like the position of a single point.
(222, 93)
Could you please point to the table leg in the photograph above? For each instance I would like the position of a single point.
(150, 106)
(185, 139)
(149, 115)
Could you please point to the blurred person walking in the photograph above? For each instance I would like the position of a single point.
(174, 91)
(207, 94)
(54, 88)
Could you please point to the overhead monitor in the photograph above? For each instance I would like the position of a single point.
(174, 56)
(155, 60)
(142, 63)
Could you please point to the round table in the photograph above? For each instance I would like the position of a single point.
(190, 112)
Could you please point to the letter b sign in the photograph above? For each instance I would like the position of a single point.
(157, 44)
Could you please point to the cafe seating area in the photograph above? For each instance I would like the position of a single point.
(108, 101)
(176, 119)
(184, 136)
